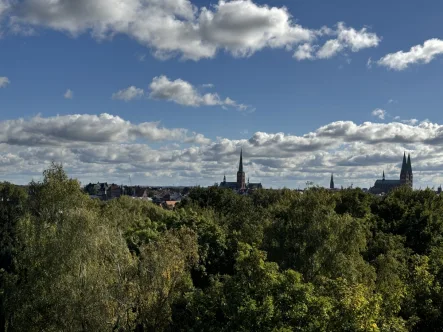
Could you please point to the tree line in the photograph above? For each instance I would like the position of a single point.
(275, 260)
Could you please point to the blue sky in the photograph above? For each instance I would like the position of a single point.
(44, 51)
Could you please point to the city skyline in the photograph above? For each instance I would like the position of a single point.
(170, 92)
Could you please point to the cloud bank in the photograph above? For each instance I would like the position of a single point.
(109, 148)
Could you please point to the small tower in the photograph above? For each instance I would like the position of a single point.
(331, 184)
(404, 176)
(241, 177)
(383, 175)
(409, 171)
(224, 178)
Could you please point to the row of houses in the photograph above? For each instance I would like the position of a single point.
(165, 197)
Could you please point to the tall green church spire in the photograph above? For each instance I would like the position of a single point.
(331, 184)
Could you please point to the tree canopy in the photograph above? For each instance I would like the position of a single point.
(274, 260)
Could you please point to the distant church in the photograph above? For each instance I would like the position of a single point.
(406, 179)
(241, 184)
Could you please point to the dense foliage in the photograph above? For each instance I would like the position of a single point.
(275, 260)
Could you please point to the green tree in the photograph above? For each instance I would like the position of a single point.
(163, 277)
(12, 208)
(258, 297)
(73, 270)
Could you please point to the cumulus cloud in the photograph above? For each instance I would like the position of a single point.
(304, 52)
(178, 27)
(379, 113)
(184, 93)
(417, 54)
(128, 94)
(108, 148)
(4, 82)
(346, 38)
(331, 48)
(356, 40)
(69, 94)
(83, 128)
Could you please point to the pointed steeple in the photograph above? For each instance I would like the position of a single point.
(224, 178)
(331, 184)
(383, 175)
(241, 177)
(409, 164)
(240, 166)
(404, 165)
(404, 170)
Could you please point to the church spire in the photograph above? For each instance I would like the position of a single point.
(331, 184)
(240, 166)
(409, 164)
(240, 174)
(383, 174)
(404, 169)
(404, 165)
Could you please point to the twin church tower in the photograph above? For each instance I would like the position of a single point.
(406, 178)
(385, 186)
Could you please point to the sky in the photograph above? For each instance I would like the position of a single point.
(167, 92)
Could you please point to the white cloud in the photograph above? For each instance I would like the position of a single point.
(331, 48)
(128, 94)
(356, 40)
(411, 122)
(304, 52)
(4, 82)
(369, 63)
(346, 38)
(177, 27)
(69, 94)
(379, 113)
(92, 129)
(184, 93)
(417, 54)
(243, 27)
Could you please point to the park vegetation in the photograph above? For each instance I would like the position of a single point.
(275, 260)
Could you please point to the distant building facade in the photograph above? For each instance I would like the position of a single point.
(406, 179)
(241, 184)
